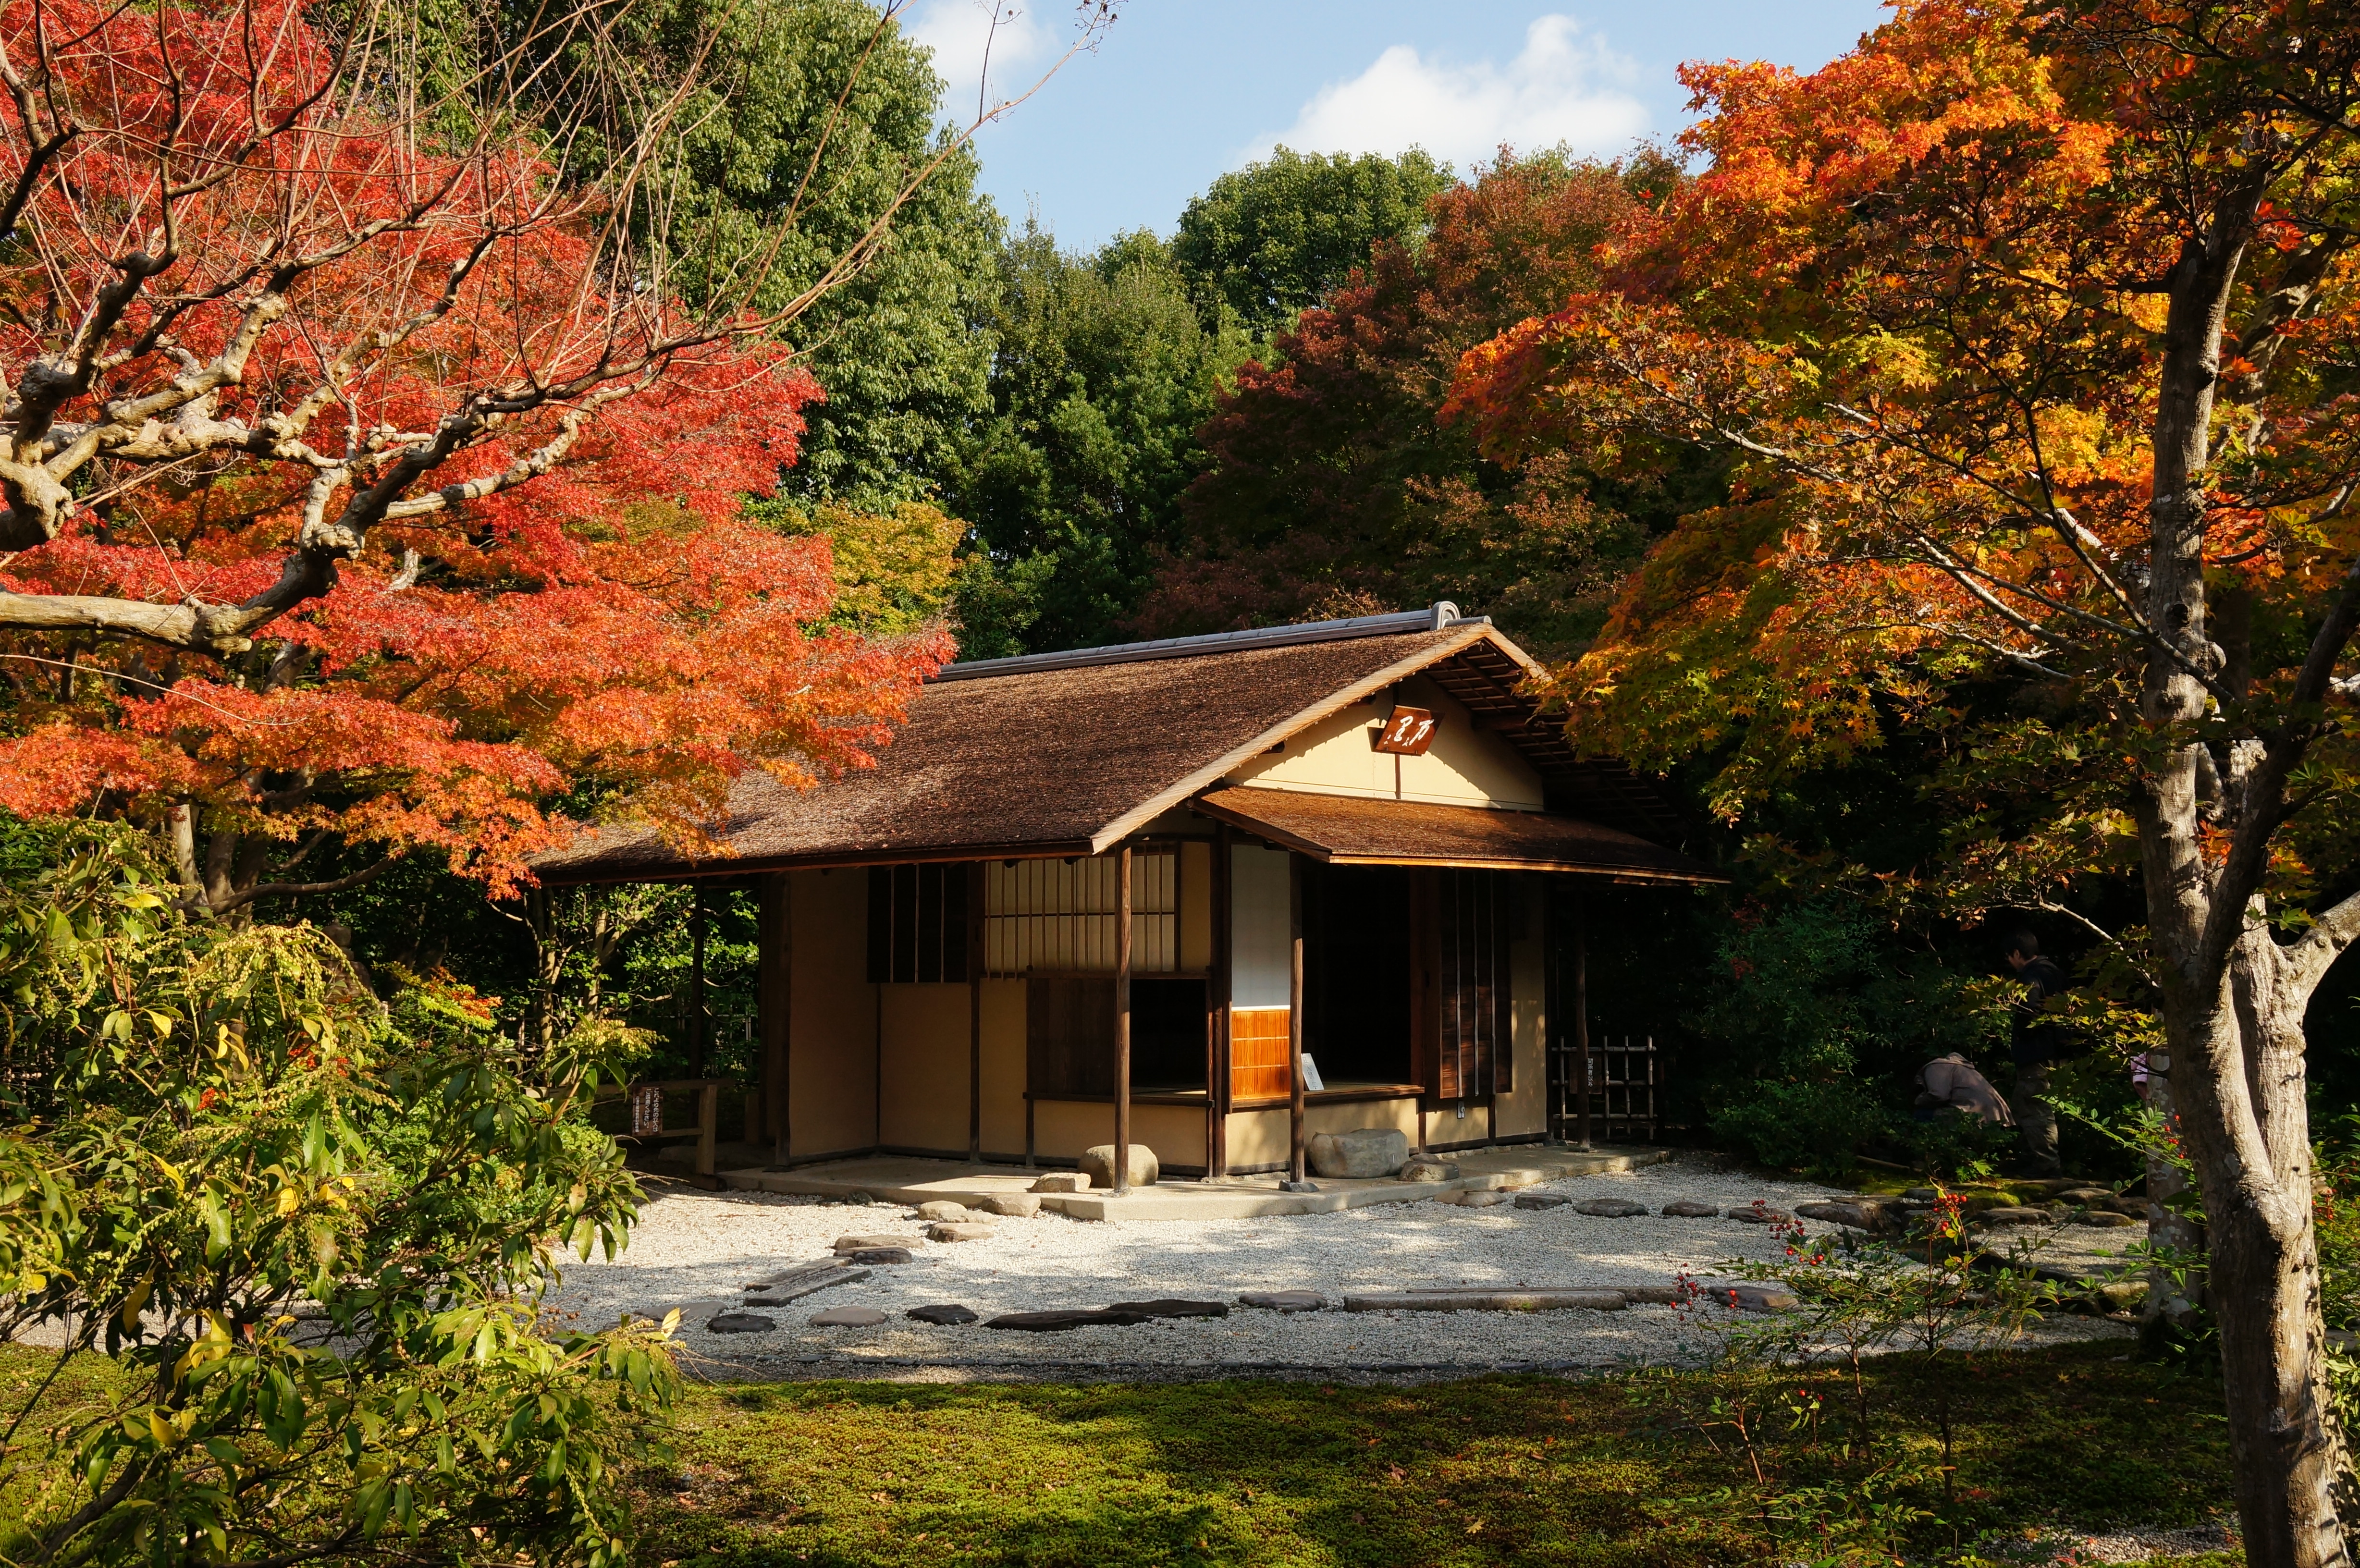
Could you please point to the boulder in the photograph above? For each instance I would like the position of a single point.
(879, 1254)
(1173, 1307)
(1611, 1208)
(1427, 1168)
(1542, 1200)
(1922, 1194)
(960, 1230)
(1097, 1164)
(1753, 1298)
(848, 1317)
(2013, 1215)
(741, 1323)
(850, 1244)
(1689, 1209)
(1482, 1198)
(1014, 1206)
(943, 1210)
(2104, 1219)
(1063, 1181)
(1361, 1154)
(1283, 1300)
(1759, 1214)
(950, 1313)
(1052, 1322)
(2084, 1194)
(1859, 1216)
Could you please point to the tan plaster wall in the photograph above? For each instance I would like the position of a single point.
(1444, 1126)
(1004, 1068)
(1465, 766)
(832, 1042)
(1259, 1137)
(1063, 1130)
(1526, 1110)
(926, 1077)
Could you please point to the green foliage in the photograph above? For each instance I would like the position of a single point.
(1815, 1125)
(1073, 480)
(1268, 240)
(308, 1234)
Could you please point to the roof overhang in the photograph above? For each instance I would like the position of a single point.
(1351, 830)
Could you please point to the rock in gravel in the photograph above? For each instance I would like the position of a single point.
(1014, 1206)
(1097, 1164)
(2084, 1194)
(968, 1230)
(1541, 1200)
(1922, 1194)
(879, 1254)
(1305, 1185)
(1482, 1198)
(1051, 1322)
(1063, 1181)
(1173, 1307)
(1859, 1216)
(1689, 1209)
(1611, 1208)
(1284, 1301)
(848, 1317)
(1759, 1214)
(942, 1209)
(741, 1323)
(845, 1244)
(1426, 1168)
(2013, 1215)
(1360, 1154)
(1750, 1298)
(949, 1314)
(2105, 1219)
(858, 1200)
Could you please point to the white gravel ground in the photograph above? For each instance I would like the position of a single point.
(697, 1251)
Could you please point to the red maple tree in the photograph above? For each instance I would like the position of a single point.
(365, 483)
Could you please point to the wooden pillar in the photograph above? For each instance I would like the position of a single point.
(1294, 1016)
(1216, 1045)
(774, 998)
(975, 895)
(697, 1026)
(1122, 1020)
(1582, 1017)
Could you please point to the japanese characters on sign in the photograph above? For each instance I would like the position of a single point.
(1407, 733)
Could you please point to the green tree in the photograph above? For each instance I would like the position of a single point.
(1274, 238)
(1103, 375)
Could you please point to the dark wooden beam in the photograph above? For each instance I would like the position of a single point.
(977, 879)
(1122, 1020)
(1295, 1151)
(1216, 1045)
(774, 1003)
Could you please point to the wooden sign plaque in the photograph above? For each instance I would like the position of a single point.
(1407, 733)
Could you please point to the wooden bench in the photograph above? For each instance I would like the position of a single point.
(708, 1119)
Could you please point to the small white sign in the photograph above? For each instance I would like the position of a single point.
(1311, 1075)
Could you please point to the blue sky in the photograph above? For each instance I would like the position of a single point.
(1178, 91)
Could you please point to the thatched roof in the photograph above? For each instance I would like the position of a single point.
(1345, 830)
(1066, 754)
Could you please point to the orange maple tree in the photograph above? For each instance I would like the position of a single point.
(2031, 327)
(366, 484)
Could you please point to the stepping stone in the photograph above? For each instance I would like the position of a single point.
(1542, 1200)
(2104, 1219)
(948, 1313)
(1759, 1214)
(848, 1317)
(858, 1199)
(1172, 1307)
(1611, 1208)
(741, 1323)
(1689, 1209)
(1749, 1297)
(2012, 1217)
(1304, 1186)
(1063, 1181)
(1860, 1216)
(846, 1244)
(2084, 1194)
(943, 1211)
(970, 1230)
(1478, 1199)
(1284, 1301)
(1015, 1205)
(1922, 1194)
(1052, 1322)
(879, 1254)
(1426, 1168)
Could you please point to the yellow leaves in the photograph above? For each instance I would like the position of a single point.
(136, 1301)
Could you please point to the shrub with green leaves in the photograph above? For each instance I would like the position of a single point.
(317, 1229)
(1814, 1125)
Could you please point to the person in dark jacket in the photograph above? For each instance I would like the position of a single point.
(2037, 1046)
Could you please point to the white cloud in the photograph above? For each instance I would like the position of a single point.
(1561, 88)
(959, 31)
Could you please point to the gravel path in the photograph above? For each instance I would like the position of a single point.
(697, 1251)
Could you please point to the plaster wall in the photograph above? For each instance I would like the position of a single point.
(1443, 1127)
(1261, 959)
(1526, 1110)
(1464, 766)
(1257, 1138)
(924, 1041)
(1063, 1130)
(1003, 1069)
(833, 1017)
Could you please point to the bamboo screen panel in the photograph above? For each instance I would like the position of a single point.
(1474, 1054)
(1058, 918)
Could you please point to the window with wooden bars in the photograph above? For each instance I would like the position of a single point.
(1468, 921)
(917, 924)
(1057, 917)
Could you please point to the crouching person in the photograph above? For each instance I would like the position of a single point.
(1951, 1083)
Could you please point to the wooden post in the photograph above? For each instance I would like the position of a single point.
(1581, 1016)
(1217, 1065)
(696, 982)
(975, 879)
(774, 999)
(1294, 1016)
(708, 1127)
(1122, 1020)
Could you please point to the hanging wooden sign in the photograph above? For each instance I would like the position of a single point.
(1407, 733)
